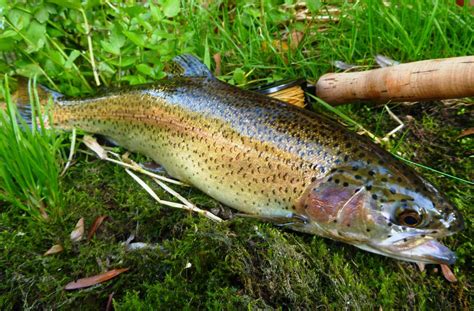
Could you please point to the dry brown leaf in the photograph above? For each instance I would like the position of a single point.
(463, 2)
(92, 144)
(78, 232)
(295, 38)
(289, 41)
(218, 61)
(448, 274)
(97, 222)
(54, 250)
(467, 132)
(43, 211)
(93, 280)
(109, 302)
(421, 266)
(279, 45)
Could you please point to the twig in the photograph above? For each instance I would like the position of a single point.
(145, 172)
(92, 144)
(91, 52)
(188, 206)
(398, 128)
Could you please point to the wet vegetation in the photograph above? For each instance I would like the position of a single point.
(191, 262)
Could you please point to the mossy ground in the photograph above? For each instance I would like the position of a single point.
(241, 263)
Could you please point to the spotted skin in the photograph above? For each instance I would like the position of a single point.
(266, 158)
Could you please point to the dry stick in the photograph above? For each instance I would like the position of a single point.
(92, 144)
(71, 152)
(424, 80)
(141, 170)
(91, 52)
(188, 206)
(151, 192)
(395, 130)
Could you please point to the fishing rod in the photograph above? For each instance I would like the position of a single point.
(409, 82)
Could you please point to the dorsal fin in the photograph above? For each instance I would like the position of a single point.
(189, 66)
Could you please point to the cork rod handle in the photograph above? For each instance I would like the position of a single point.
(417, 81)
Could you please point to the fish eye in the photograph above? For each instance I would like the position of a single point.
(409, 218)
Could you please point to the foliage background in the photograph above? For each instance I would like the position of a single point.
(73, 46)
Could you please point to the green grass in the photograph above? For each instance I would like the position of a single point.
(29, 163)
(241, 263)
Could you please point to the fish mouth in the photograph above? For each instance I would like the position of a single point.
(430, 252)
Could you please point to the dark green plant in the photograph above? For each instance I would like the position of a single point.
(71, 46)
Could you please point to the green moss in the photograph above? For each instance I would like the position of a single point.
(241, 263)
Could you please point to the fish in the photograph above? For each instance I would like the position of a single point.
(270, 160)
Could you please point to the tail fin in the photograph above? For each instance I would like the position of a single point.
(27, 94)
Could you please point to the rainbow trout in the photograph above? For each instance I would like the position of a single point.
(278, 162)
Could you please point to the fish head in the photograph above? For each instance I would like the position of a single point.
(389, 210)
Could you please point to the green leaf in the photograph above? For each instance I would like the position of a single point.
(162, 34)
(145, 69)
(239, 76)
(105, 68)
(171, 8)
(51, 68)
(56, 57)
(117, 39)
(7, 44)
(90, 4)
(160, 75)
(72, 57)
(28, 70)
(313, 5)
(42, 14)
(133, 80)
(156, 13)
(18, 18)
(138, 39)
(3, 67)
(110, 47)
(134, 10)
(36, 36)
(8, 33)
(70, 4)
(125, 61)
